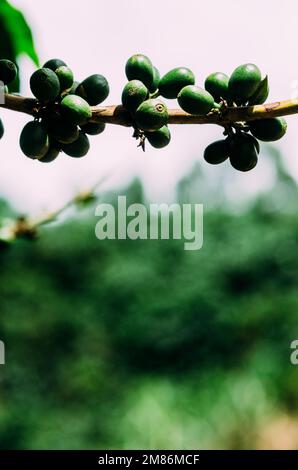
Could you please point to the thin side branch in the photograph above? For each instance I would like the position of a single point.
(118, 115)
(28, 227)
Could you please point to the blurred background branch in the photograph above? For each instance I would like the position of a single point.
(28, 227)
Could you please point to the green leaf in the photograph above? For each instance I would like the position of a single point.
(261, 93)
(15, 37)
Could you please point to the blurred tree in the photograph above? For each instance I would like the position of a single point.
(101, 336)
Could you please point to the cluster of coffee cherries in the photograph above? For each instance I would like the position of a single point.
(63, 110)
(141, 98)
(245, 87)
(8, 73)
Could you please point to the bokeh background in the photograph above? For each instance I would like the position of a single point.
(140, 344)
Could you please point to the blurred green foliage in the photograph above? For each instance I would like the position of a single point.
(140, 344)
(15, 37)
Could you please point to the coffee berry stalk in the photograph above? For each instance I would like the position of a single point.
(66, 113)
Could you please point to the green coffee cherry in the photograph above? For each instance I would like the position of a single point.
(217, 84)
(134, 93)
(252, 139)
(195, 100)
(173, 82)
(160, 138)
(50, 156)
(261, 94)
(54, 64)
(8, 71)
(93, 128)
(63, 131)
(151, 115)
(52, 153)
(65, 77)
(79, 148)
(75, 109)
(1, 129)
(139, 67)
(243, 153)
(94, 89)
(217, 152)
(34, 140)
(244, 82)
(268, 130)
(156, 79)
(45, 85)
(74, 88)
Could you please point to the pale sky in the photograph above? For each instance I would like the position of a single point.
(98, 36)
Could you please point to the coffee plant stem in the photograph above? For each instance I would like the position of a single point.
(118, 115)
(20, 104)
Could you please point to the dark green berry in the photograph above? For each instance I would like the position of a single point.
(139, 67)
(160, 138)
(34, 140)
(156, 79)
(151, 115)
(195, 100)
(173, 82)
(8, 71)
(75, 109)
(244, 82)
(261, 94)
(217, 152)
(134, 93)
(1, 129)
(45, 85)
(74, 88)
(268, 130)
(54, 64)
(243, 153)
(252, 139)
(62, 130)
(52, 153)
(217, 84)
(93, 128)
(79, 148)
(94, 89)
